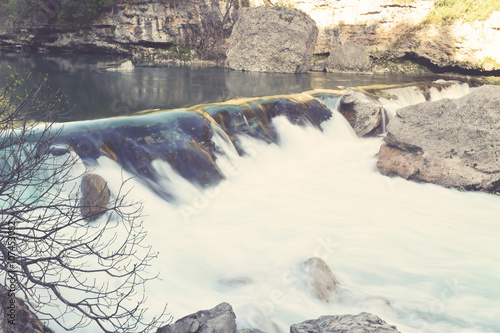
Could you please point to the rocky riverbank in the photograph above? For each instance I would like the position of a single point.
(452, 143)
(221, 319)
(320, 283)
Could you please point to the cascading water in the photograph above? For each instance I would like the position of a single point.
(396, 98)
(419, 256)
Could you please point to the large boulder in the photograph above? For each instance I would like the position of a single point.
(95, 196)
(272, 39)
(361, 323)
(453, 143)
(220, 319)
(351, 56)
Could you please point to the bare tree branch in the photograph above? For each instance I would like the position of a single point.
(68, 270)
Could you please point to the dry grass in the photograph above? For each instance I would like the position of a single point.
(448, 11)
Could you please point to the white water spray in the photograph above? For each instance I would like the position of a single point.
(421, 257)
(401, 97)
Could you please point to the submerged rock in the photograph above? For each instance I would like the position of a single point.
(126, 66)
(320, 281)
(272, 39)
(361, 323)
(220, 319)
(95, 196)
(453, 143)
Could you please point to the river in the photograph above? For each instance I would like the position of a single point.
(422, 257)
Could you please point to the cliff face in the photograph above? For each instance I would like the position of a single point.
(389, 30)
(397, 30)
(138, 28)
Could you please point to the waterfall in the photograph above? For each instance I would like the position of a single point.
(271, 182)
(396, 98)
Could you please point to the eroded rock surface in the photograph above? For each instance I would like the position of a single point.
(95, 196)
(320, 281)
(272, 39)
(361, 323)
(220, 319)
(362, 112)
(350, 56)
(453, 143)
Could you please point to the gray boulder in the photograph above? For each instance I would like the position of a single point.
(320, 281)
(350, 56)
(272, 39)
(95, 196)
(362, 323)
(220, 319)
(452, 143)
(363, 113)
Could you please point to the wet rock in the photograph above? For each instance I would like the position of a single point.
(361, 323)
(220, 319)
(452, 143)
(254, 117)
(95, 196)
(362, 112)
(320, 281)
(350, 56)
(22, 319)
(185, 139)
(142, 28)
(272, 39)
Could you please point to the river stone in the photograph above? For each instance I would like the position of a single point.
(24, 319)
(272, 39)
(452, 143)
(95, 196)
(320, 281)
(350, 56)
(361, 323)
(220, 319)
(362, 112)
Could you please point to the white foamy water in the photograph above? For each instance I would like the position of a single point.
(422, 257)
(412, 95)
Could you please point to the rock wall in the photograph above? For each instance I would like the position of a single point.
(145, 27)
(389, 29)
(394, 30)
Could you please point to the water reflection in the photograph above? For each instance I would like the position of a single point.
(97, 93)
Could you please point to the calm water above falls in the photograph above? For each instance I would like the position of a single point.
(422, 257)
(98, 93)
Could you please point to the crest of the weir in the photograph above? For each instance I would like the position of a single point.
(185, 138)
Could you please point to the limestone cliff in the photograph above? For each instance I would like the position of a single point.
(395, 30)
(146, 28)
(390, 30)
